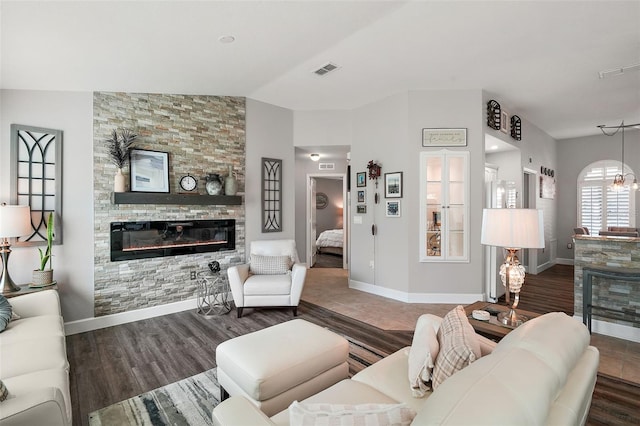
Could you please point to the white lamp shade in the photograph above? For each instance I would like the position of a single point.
(513, 228)
(15, 221)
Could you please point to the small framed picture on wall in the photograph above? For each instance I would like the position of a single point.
(504, 121)
(393, 208)
(361, 179)
(361, 209)
(393, 185)
(362, 198)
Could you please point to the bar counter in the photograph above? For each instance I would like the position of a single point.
(608, 253)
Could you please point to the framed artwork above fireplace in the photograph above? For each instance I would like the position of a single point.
(149, 171)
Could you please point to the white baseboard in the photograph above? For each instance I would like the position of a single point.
(544, 266)
(90, 324)
(614, 330)
(415, 297)
(561, 261)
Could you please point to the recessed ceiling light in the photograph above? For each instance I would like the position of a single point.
(494, 147)
(226, 39)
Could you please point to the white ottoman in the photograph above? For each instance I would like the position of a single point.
(280, 364)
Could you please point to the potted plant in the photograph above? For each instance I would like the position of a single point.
(119, 147)
(44, 276)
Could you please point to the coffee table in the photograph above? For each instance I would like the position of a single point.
(493, 329)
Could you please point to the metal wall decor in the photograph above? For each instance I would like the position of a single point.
(516, 127)
(36, 178)
(547, 172)
(271, 195)
(493, 114)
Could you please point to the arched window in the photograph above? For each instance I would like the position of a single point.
(599, 206)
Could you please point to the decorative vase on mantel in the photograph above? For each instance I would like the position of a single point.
(119, 182)
(214, 184)
(230, 183)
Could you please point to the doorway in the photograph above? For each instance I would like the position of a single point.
(327, 224)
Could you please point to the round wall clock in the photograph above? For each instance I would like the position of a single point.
(322, 200)
(188, 183)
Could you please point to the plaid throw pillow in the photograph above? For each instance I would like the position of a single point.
(349, 415)
(269, 265)
(459, 346)
(4, 393)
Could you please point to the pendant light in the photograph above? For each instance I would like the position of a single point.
(620, 179)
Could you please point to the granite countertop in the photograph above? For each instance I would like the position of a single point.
(607, 238)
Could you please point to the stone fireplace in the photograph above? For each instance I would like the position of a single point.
(202, 134)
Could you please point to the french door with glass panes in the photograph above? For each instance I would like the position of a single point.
(444, 206)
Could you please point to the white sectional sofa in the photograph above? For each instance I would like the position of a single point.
(33, 363)
(544, 372)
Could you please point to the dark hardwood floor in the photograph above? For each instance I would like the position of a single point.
(549, 291)
(116, 363)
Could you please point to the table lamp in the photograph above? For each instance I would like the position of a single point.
(15, 221)
(513, 229)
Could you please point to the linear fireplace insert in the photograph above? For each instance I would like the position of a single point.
(139, 240)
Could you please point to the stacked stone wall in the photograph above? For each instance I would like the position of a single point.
(620, 295)
(202, 134)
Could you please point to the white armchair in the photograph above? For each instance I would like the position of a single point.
(273, 277)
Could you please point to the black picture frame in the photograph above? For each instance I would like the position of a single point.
(149, 171)
(393, 185)
(361, 179)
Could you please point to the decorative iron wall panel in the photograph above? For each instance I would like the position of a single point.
(271, 195)
(36, 178)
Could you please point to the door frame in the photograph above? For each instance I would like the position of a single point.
(531, 202)
(310, 238)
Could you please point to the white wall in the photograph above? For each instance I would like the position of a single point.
(322, 128)
(71, 112)
(457, 282)
(269, 134)
(380, 134)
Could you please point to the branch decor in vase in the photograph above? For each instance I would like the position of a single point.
(119, 147)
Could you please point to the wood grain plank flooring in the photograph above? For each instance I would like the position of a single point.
(116, 363)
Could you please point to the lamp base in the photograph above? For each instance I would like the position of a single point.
(6, 283)
(511, 318)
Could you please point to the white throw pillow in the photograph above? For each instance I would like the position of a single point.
(269, 265)
(422, 356)
(351, 415)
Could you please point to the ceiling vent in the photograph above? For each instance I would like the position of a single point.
(327, 166)
(325, 69)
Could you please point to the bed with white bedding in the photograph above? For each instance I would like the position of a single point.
(330, 241)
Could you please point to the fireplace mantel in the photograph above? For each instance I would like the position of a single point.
(184, 199)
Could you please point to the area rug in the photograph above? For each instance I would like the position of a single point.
(190, 401)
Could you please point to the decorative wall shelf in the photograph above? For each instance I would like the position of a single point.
(186, 199)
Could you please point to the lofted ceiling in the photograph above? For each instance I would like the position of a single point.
(539, 58)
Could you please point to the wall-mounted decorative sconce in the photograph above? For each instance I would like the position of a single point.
(314, 157)
(516, 127)
(493, 114)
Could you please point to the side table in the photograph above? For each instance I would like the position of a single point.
(493, 329)
(26, 289)
(213, 294)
